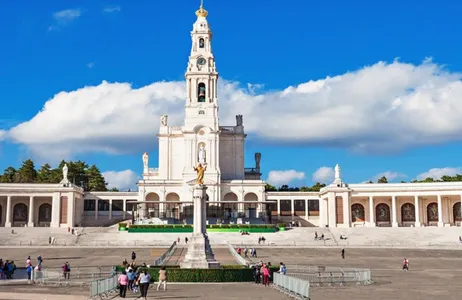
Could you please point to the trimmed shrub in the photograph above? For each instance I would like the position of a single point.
(228, 273)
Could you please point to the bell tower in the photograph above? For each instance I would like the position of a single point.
(201, 77)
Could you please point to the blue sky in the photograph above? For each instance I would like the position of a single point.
(399, 116)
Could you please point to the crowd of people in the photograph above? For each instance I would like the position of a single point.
(8, 268)
(137, 280)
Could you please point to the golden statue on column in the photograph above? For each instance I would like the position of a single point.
(200, 170)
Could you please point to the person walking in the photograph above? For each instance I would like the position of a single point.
(133, 256)
(123, 283)
(406, 264)
(162, 278)
(144, 279)
(266, 273)
(343, 253)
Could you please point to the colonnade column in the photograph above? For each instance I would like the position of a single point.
(96, 209)
(279, 207)
(124, 213)
(8, 212)
(417, 211)
(371, 212)
(110, 209)
(31, 212)
(394, 220)
(292, 207)
(306, 209)
(440, 212)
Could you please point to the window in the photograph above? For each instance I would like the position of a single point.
(201, 43)
(89, 205)
(117, 205)
(103, 205)
(201, 92)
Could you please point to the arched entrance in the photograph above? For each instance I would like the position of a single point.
(456, 210)
(250, 209)
(20, 213)
(382, 213)
(172, 210)
(230, 210)
(44, 213)
(151, 208)
(357, 213)
(408, 212)
(432, 212)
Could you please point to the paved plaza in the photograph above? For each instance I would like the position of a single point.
(434, 273)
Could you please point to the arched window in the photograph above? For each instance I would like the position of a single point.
(201, 43)
(201, 92)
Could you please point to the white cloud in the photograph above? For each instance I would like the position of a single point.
(437, 173)
(122, 180)
(390, 176)
(90, 65)
(111, 9)
(2, 135)
(379, 108)
(66, 15)
(324, 175)
(284, 176)
(63, 18)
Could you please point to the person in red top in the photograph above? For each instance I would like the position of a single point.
(123, 282)
(266, 274)
(406, 264)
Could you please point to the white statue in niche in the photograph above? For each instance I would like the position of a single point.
(163, 120)
(65, 171)
(202, 154)
(145, 160)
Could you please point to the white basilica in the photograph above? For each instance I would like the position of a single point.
(235, 194)
(201, 140)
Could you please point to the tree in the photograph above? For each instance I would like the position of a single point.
(8, 175)
(114, 189)
(44, 174)
(27, 173)
(270, 188)
(96, 180)
(382, 179)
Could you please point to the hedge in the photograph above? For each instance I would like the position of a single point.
(234, 226)
(229, 273)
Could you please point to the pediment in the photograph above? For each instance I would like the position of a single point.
(206, 182)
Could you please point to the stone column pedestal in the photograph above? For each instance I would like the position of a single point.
(199, 255)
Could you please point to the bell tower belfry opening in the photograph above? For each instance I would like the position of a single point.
(201, 77)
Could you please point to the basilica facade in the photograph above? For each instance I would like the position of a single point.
(235, 193)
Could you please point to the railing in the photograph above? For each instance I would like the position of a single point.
(320, 276)
(251, 170)
(81, 276)
(163, 258)
(227, 129)
(104, 287)
(241, 260)
(294, 287)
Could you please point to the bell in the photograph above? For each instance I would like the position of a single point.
(201, 93)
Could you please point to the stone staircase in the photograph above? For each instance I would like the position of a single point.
(36, 236)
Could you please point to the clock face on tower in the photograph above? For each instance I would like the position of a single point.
(201, 61)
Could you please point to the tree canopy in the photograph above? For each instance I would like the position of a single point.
(445, 178)
(79, 173)
(285, 188)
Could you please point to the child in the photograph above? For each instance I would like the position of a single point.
(135, 287)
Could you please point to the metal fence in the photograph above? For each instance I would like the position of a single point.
(294, 287)
(322, 275)
(79, 276)
(241, 260)
(104, 287)
(164, 257)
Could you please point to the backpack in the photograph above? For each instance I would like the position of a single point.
(67, 267)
